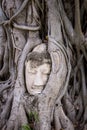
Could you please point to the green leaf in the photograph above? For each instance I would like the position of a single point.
(26, 127)
(36, 116)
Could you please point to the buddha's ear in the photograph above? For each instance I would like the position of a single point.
(56, 59)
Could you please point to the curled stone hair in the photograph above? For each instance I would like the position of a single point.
(39, 55)
(37, 58)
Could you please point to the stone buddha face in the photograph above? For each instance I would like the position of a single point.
(37, 70)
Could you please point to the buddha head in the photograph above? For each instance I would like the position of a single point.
(37, 69)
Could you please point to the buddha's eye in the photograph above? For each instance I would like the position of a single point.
(46, 70)
(46, 73)
(32, 71)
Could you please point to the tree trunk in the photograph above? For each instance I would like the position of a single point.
(25, 25)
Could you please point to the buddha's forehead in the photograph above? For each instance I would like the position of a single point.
(35, 63)
(44, 68)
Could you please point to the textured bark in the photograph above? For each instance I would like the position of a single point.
(24, 25)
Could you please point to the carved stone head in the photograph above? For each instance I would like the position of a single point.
(37, 69)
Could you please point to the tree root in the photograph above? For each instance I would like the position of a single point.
(61, 119)
(6, 111)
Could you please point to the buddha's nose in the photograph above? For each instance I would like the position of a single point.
(38, 79)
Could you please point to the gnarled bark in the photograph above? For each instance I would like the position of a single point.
(62, 103)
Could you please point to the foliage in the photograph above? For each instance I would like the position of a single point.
(33, 116)
(26, 127)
